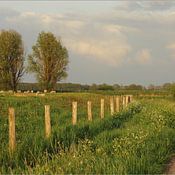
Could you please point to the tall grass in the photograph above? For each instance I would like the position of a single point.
(138, 140)
(141, 146)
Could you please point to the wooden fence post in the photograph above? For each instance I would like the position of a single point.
(102, 108)
(12, 137)
(123, 102)
(74, 113)
(117, 104)
(127, 100)
(112, 105)
(89, 109)
(47, 121)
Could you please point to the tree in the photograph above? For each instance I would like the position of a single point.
(48, 60)
(134, 87)
(11, 59)
(105, 87)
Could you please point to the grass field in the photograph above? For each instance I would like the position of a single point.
(139, 139)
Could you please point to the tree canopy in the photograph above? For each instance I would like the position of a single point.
(11, 59)
(48, 60)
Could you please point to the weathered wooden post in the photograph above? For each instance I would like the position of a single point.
(74, 113)
(112, 105)
(47, 121)
(117, 100)
(123, 102)
(89, 109)
(102, 108)
(12, 136)
(127, 100)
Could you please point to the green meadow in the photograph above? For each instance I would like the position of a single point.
(140, 139)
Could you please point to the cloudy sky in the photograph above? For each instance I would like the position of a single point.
(111, 42)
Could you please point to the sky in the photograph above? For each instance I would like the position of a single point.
(114, 42)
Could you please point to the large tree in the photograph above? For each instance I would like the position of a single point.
(49, 60)
(11, 59)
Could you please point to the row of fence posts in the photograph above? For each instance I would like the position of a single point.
(120, 102)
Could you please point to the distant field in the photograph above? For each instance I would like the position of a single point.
(139, 139)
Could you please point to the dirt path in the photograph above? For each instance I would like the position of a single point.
(170, 167)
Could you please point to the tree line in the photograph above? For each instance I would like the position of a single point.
(76, 87)
(48, 60)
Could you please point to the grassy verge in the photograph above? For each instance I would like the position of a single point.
(31, 144)
(138, 140)
(141, 146)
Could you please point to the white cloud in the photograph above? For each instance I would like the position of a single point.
(171, 47)
(103, 37)
(114, 28)
(143, 56)
(103, 42)
(133, 12)
(46, 21)
(145, 16)
(157, 5)
(154, 5)
(110, 51)
(76, 24)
